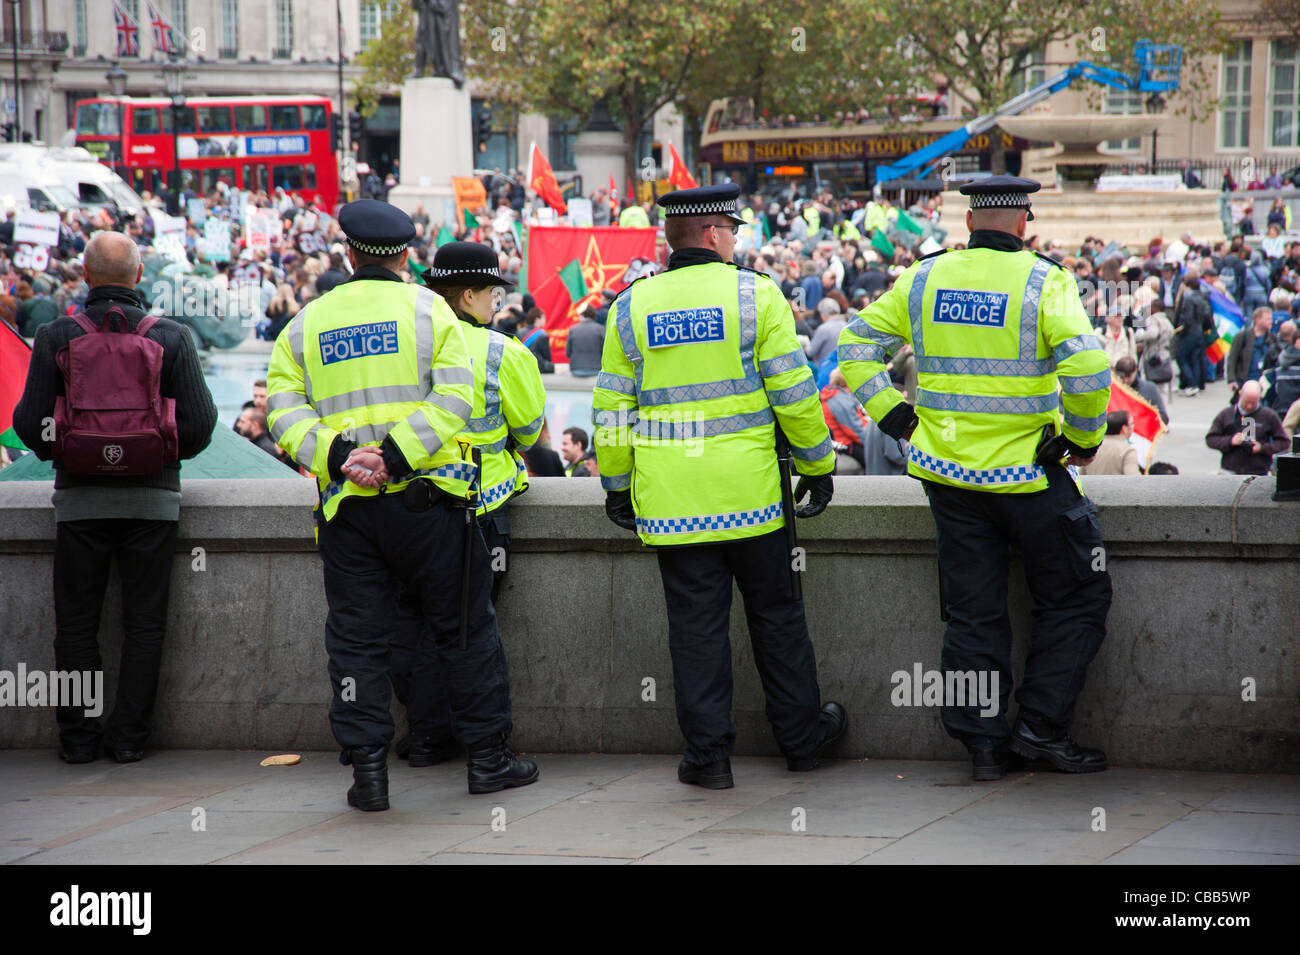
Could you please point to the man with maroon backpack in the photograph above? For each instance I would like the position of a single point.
(116, 398)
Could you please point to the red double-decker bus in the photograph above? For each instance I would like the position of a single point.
(249, 142)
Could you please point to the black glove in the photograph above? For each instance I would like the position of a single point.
(821, 487)
(618, 508)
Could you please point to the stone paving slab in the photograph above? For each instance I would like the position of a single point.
(612, 809)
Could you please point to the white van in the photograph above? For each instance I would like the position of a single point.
(28, 178)
(95, 185)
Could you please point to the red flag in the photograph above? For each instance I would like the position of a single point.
(15, 355)
(678, 174)
(608, 257)
(612, 188)
(1147, 425)
(629, 197)
(541, 180)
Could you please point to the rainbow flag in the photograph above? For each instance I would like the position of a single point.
(1227, 322)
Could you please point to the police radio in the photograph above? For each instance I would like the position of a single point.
(1052, 447)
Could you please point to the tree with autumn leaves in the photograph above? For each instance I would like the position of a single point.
(569, 57)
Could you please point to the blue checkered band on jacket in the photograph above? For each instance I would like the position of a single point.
(1000, 200)
(498, 492)
(708, 522)
(1019, 474)
(371, 249)
(701, 208)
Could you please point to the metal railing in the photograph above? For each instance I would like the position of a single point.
(1209, 171)
(39, 41)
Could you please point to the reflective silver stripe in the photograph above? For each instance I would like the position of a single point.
(534, 425)
(813, 453)
(783, 363)
(295, 336)
(1080, 384)
(626, 335)
(485, 424)
(862, 351)
(1084, 424)
(892, 343)
(748, 325)
(873, 386)
(289, 419)
(712, 428)
(453, 376)
(496, 447)
(371, 433)
(424, 433)
(1029, 309)
(362, 397)
(701, 392)
(987, 404)
(451, 403)
(998, 367)
(617, 482)
(619, 418)
(425, 299)
(1018, 474)
(307, 450)
(915, 301)
(284, 399)
(492, 377)
(788, 396)
(620, 383)
(1072, 346)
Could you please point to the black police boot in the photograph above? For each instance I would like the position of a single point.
(834, 722)
(1055, 746)
(711, 776)
(989, 760)
(430, 750)
(369, 791)
(493, 766)
(402, 748)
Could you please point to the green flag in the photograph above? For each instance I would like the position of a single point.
(521, 242)
(908, 224)
(444, 236)
(571, 278)
(9, 438)
(416, 268)
(881, 243)
(470, 221)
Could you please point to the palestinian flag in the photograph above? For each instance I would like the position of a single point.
(15, 355)
(1147, 426)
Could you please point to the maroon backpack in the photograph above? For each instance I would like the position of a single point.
(112, 418)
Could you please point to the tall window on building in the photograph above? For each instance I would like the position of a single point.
(283, 29)
(1234, 92)
(1284, 94)
(563, 134)
(229, 29)
(180, 23)
(1124, 103)
(80, 34)
(1032, 72)
(369, 21)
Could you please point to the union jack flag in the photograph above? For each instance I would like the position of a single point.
(162, 31)
(128, 32)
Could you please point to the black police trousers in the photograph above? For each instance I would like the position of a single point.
(428, 709)
(372, 548)
(697, 586)
(1060, 543)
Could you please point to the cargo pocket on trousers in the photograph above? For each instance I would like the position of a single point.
(1082, 532)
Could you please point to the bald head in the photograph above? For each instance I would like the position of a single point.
(112, 258)
(1249, 396)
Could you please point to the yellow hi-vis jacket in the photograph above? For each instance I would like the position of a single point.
(993, 331)
(702, 361)
(373, 359)
(509, 405)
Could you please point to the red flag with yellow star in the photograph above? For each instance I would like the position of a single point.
(606, 257)
(678, 174)
(541, 179)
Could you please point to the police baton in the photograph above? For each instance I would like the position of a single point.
(467, 553)
(783, 463)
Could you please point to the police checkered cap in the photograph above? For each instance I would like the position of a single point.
(1000, 200)
(371, 249)
(437, 273)
(723, 207)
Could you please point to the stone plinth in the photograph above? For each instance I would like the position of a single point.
(437, 143)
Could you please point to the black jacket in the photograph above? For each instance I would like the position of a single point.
(182, 379)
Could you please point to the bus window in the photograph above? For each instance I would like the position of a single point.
(249, 118)
(287, 177)
(284, 117)
(97, 119)
(213, 176)
(313, 116)
(145, 120)
(214, 119)
(184, 120)
(309, 176)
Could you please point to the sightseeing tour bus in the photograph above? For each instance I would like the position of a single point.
(248, 142)
(773, 154)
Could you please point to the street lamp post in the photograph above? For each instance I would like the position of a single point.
(1155, 105)
(116, 78)
(18, 103)
(174, 83)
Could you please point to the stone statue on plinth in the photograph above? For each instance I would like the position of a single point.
(437, 40)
